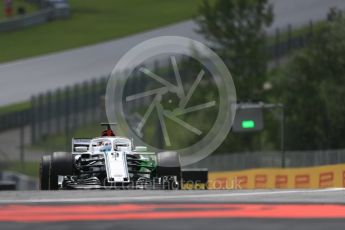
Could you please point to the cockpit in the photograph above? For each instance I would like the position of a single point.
(122, 144)
(100, 145)
(110, 144)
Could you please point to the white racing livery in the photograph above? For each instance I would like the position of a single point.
(110, 161)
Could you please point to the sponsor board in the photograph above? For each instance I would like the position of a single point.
(329, 176)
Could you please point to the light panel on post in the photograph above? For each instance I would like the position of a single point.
(249, 118)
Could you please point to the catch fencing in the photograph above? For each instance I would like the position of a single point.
(59, 111)
(64, 110)
(284, 43)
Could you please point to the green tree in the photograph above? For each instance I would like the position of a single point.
(312, 88)
(236, 30)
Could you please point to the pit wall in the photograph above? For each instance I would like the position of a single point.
(329, 176)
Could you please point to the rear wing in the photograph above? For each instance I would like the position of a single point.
(80, 142)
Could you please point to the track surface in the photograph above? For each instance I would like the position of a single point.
(140, 196)
(236, 209)
(74, 66)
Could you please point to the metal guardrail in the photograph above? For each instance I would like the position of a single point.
(49, 13)
(17, 181)
(19, 22)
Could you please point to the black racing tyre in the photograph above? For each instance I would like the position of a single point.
(62, 164)
(48, 180)
(168, 165)
(44, 172)
(53, 180)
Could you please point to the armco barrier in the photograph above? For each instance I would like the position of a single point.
(51, 12)
(329, 176)
(36, 18)
(19, 181)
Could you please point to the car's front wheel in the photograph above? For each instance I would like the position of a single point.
(47, 179)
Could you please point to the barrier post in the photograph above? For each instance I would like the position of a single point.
(282, 135)
(21, 140)
(58, 111)
(76, 106)
(67, 113)
(39, 116)
(277, 47)
(33, 119)
(93, 99)
(84, 91)
(48, 116)
(289, 29)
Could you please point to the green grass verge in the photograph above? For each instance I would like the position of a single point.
(93, 22)
(59, 142)
(18, 3)
(15, 107)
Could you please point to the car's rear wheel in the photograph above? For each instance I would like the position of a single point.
(169, 169)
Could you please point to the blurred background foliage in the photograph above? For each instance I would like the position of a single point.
(312, 87)
(309, 81)
(310, 84)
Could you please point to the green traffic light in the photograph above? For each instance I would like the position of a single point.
(248, 124)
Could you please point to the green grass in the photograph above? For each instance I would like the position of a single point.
(93, 22)
(15, 107)
(58, 142)
(18, 3)
(30, 168)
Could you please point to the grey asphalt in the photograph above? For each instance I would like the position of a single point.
(334, 196)
(20, 79)
(60, 198)
(183, 224)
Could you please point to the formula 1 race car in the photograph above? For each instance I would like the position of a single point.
(109, 162)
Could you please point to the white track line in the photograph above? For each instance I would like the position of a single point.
(163, 197)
